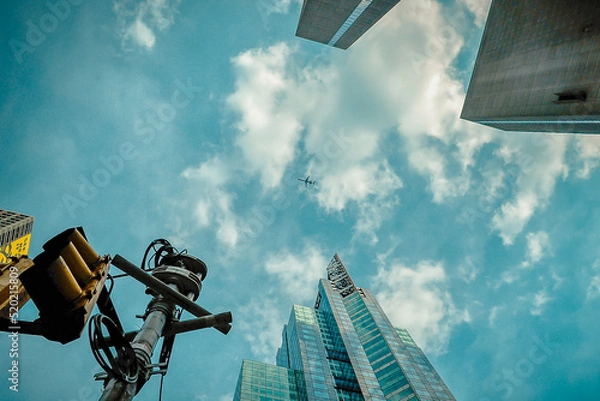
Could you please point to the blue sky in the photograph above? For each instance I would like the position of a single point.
(191, 120)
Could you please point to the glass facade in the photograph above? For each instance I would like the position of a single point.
(261, 382)
(345, 348)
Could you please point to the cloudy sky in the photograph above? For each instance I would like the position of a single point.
(192, 120)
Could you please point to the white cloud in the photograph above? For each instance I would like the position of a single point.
(468, 271)
(541, 161)
(298, 273)
(538, 245)
(214, 172)
(274, 104)
(261, 322)
(398, 75)
(372, 213)
(405, 65)
(212, 204)
(274, 6)
(356, 183)
(508, 277)
(269, 129)
(138, 22)
(342, 107)
(479, 8)
(588, 152)
(593, 290)
(430, 162)
(141, 34)
(493, 315)
(417, 298)
(540, 299)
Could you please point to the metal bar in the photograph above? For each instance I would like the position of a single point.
(220, 319)
(22, 327)
(162, 288)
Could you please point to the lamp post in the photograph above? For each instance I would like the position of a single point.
(175, 281)
(67, 281)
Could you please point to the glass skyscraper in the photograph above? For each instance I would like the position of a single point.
(343, 348)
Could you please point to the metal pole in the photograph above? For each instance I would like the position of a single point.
(118, 390)
(158, 313)
(177, 281)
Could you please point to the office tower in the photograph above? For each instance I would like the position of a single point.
(343, 348)
(538, 67)
(340, 23)
(15, 234)
(15, 237)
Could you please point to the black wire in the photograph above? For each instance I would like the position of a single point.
(160, 241)
(124, 364)
(160, 390)
(94, 327)
(166, 249)
(112, 284)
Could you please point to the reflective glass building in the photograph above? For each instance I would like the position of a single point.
(343, 348)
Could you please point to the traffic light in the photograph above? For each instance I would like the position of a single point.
(64, 284)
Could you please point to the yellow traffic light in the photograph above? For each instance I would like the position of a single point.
(65, 283)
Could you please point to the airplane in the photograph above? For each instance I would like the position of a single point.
(307, 181)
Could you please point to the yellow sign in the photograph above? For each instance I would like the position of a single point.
(18, 247)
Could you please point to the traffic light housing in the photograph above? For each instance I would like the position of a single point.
(64, 283)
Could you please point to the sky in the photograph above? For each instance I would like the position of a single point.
(192, 120)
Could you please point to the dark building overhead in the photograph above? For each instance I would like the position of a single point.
(538, 67)
(340, 23)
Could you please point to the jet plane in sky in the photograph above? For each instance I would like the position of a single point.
(307, 181)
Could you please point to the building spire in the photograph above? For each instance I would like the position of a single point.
(339, 277)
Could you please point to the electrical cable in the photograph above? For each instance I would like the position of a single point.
(160, 241)
(112, 284)
(124, 365)
(167, 249)
(160, 389)
(165, 353)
